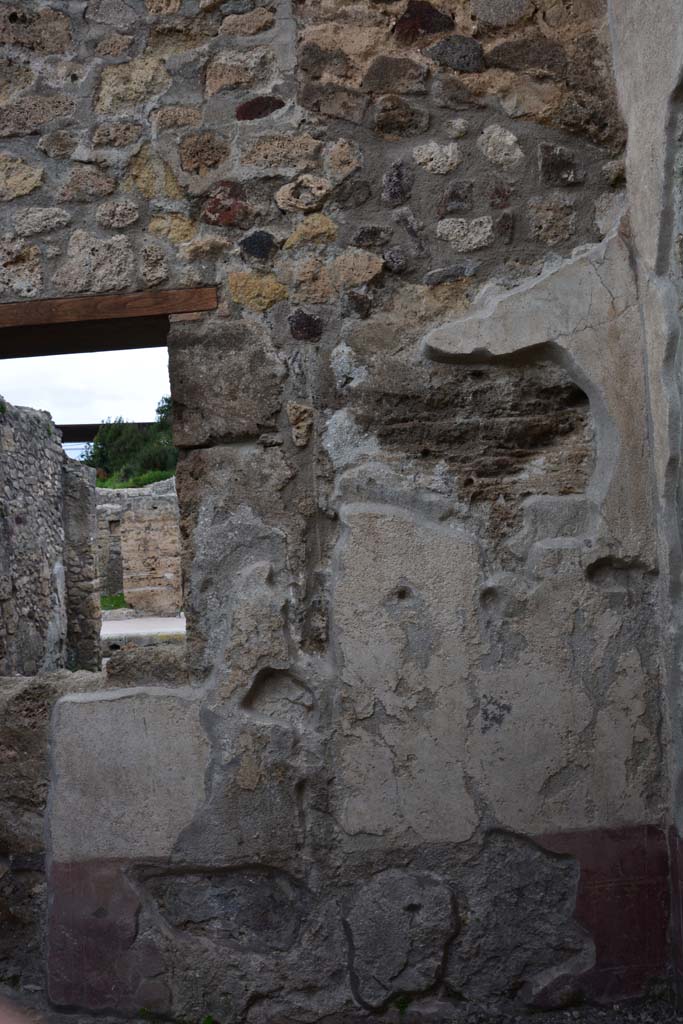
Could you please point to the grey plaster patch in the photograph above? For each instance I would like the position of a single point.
(139, 795)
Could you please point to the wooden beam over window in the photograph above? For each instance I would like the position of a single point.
(88, 336)
(73, 433)
(106, 307)
(95, 323)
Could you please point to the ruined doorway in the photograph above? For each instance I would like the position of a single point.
(149, 546)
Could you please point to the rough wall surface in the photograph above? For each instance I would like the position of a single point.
(82, 574)
(650, 95)
(139, 546)
(109, 548)
(420, 751)
(49, 589)
(33, 578)
(25, 708)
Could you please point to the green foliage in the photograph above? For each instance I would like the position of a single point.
(402, 1003)
(152, 476)
(124, 453)
(109, 602)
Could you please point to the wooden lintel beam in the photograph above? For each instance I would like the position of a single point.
(86, 336)
(82, 432)
(76, 309)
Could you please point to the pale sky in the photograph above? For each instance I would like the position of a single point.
(89, 388)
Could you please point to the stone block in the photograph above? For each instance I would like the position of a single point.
(393, 117)
(397, 184)
(460, 53)
(437, 159)
(36, 220)
(227, 381)
(237, 70)
(95, 264)
(421, 18)
(17, 177)
(529, 54)
(501, 147)
(552, 218)
(559, 166)
(400, 924)
(501, 13)
(117, 213)
(334, 101)
(199, 152)
(298, 152)
(466, 235)
(42, 31)
(32, 113)
(85, 183)
(125, 86)
(397, 75)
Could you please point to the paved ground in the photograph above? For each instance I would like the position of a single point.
(142, 626)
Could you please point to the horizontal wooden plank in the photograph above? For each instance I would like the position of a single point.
(88, 336)
(106, 307)
(75, 432)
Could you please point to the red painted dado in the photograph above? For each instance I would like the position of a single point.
(676, 861)
(99, 960)
(624, 902)
(96, 959)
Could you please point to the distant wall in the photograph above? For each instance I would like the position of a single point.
(49, 613)
(82, 574)
(139, 547)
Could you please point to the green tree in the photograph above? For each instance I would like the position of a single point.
(123, 453)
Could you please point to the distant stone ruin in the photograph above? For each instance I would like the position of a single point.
(420, 758)
(139, 547)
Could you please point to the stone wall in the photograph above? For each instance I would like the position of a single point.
(25, 708)
(139, 546)
(420, 750)
(109, 548)
(49, 588)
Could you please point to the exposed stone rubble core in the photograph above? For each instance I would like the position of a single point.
(138, 546)
(49, 584)
(413, 759)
